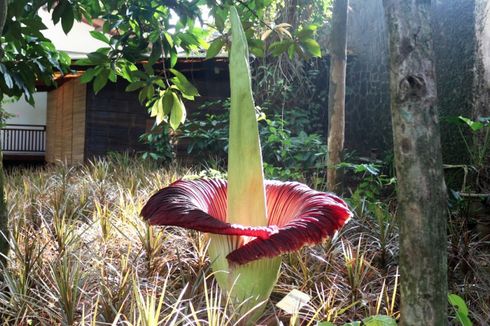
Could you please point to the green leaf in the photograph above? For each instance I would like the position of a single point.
(101, 80)
(277, 48)
(307, 31)
(156, 54)
(474, 125)
(177, 116)
(379, 320)
(100, 36)
(168, 102)
(139, 74)
(312, 47)
(142, 94)
(159, 82)
(157, 110)
(291, 51)
(64, 58)
(154, 36)
(256, 47)
(150, 91)
(112, 76)
(457, 302)
(58, 11)
(104, 50)
(183, 84)
(148, 69)
(173, 57)
(215, 48)
(6, 76)
(97, 58)
(67, 19)
(169, 39)
(463, 319)
(124, 69)
(189, 40)
(220, 18)
(83, 62)
(325, 323)
(258, 52)
(154, 109)
(88, 75)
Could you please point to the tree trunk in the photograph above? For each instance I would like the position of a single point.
(3, 13)
(421, 189)
(336, 96)
(4, 246)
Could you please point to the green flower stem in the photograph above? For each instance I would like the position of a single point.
(246, 192)
(252, 283)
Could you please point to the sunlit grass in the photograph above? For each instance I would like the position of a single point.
(80, 254)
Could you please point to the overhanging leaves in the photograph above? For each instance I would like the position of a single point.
(183, 84)
(100, 36)
(215, 48)
(178, 113)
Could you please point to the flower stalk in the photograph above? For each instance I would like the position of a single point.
(251, 221)
(246, 191)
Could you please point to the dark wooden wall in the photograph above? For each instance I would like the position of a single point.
(115, 119)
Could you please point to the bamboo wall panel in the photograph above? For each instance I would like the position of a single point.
(79, 125)
(65, 126)
(51, 125)
(67, 122)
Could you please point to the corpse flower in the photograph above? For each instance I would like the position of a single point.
(251, 222)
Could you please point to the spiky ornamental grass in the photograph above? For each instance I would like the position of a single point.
(127, 267)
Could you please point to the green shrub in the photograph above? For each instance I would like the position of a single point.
(287, 155)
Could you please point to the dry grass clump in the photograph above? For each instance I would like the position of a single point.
(81, 255)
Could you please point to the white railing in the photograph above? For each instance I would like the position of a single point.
(23, 138)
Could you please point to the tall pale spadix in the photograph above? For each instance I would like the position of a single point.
(246, 192)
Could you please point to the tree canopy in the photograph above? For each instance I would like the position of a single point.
(150, 33)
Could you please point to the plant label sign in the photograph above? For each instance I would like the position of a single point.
(293, 301)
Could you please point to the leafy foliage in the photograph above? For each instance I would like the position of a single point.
(479, 140)
(134, 31)
(475, 135)
(208, 136)
(26, 55)
(145, 31)
(160, 145)
(287, 155)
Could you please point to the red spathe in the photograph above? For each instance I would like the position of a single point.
(297, 215)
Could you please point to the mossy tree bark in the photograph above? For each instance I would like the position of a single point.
(421, 189)
(336, 96)
(4, 246)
